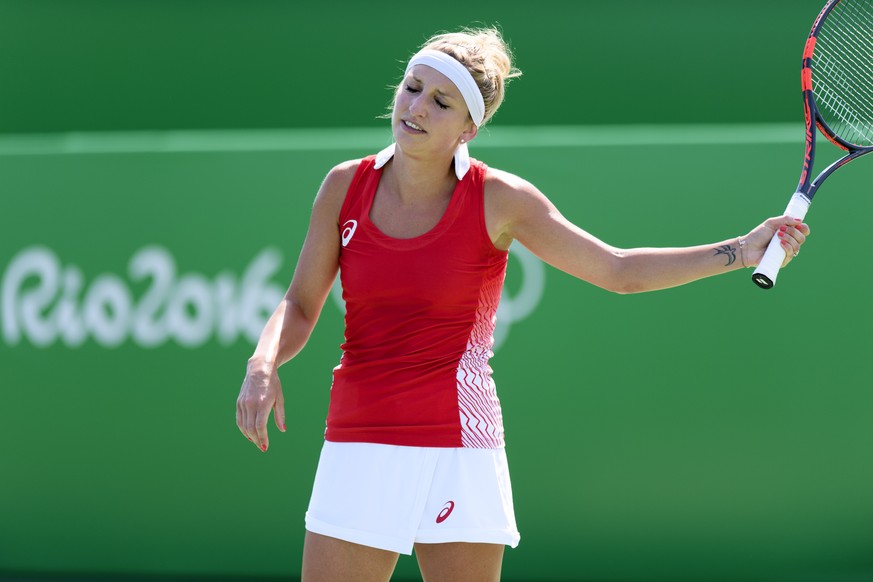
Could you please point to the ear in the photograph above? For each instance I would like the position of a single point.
(471, 133)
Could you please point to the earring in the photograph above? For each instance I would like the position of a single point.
(463, 141)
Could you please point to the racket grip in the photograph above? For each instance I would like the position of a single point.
(768, 269)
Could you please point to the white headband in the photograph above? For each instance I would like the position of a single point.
(457, 74)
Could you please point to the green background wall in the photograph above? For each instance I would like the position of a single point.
(169, 64)
(711, 432)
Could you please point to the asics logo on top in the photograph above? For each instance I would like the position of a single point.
(446, 512)
(349, 229)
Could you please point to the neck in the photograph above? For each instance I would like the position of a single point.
(419, 179)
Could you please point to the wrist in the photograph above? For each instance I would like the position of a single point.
(741, 243)
(260, 365)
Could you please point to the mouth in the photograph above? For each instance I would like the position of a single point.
(413, 126)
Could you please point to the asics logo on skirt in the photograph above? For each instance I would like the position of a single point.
(349, 231)
(446, 512)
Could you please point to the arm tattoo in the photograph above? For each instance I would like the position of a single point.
(729, 251)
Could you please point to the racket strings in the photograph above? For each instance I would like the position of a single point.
(843, 71)
(843, 107)
(851, 31)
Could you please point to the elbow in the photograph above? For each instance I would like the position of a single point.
(626, 288)
(301, 312)
(621, 279)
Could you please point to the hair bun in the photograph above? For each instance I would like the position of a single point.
(486, 55)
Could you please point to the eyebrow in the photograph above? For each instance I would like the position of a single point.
(443, 93)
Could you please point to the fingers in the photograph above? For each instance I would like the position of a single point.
(803, 228)
(245, 417)
(258, 396)
(240, 417)
(254, 425)
(279, 411)
(785, 220)
(262, 439)
(792, 234)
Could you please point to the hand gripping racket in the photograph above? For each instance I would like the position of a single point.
(837, 82)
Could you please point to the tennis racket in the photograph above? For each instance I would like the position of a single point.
(837, 83)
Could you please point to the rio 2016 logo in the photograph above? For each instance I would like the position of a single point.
(45, 301)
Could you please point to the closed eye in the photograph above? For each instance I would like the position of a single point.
(410, 89)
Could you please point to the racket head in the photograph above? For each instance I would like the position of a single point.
(838, 70)
(837, 82)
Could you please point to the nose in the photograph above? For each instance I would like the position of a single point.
(417, 105)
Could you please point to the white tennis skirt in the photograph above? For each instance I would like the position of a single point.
(391, 497)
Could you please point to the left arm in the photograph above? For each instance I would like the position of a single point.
(516, 210)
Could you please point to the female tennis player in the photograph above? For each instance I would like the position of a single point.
(414, 452)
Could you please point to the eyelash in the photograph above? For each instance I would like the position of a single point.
(441, 105)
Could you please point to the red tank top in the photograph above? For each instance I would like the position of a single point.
(420, 317)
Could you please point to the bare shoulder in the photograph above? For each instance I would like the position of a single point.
(511, 201)
(344, 171)
(333, 189)
(504, 184)
(511, 192)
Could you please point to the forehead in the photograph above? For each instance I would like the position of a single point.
(434, 79)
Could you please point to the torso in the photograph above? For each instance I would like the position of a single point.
(411, 217)
(421, 282)
(408, 218)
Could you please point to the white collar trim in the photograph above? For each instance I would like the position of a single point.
(462, 159)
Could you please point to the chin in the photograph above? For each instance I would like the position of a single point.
(402, 138)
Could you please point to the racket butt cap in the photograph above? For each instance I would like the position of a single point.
(762, 281)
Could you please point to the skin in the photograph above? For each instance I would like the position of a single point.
(327, 559)
(429, 121)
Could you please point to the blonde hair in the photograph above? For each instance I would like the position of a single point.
(486, 55)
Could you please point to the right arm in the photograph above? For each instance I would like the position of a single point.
(291, 324)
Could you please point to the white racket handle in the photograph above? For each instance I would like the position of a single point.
(768, 269)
